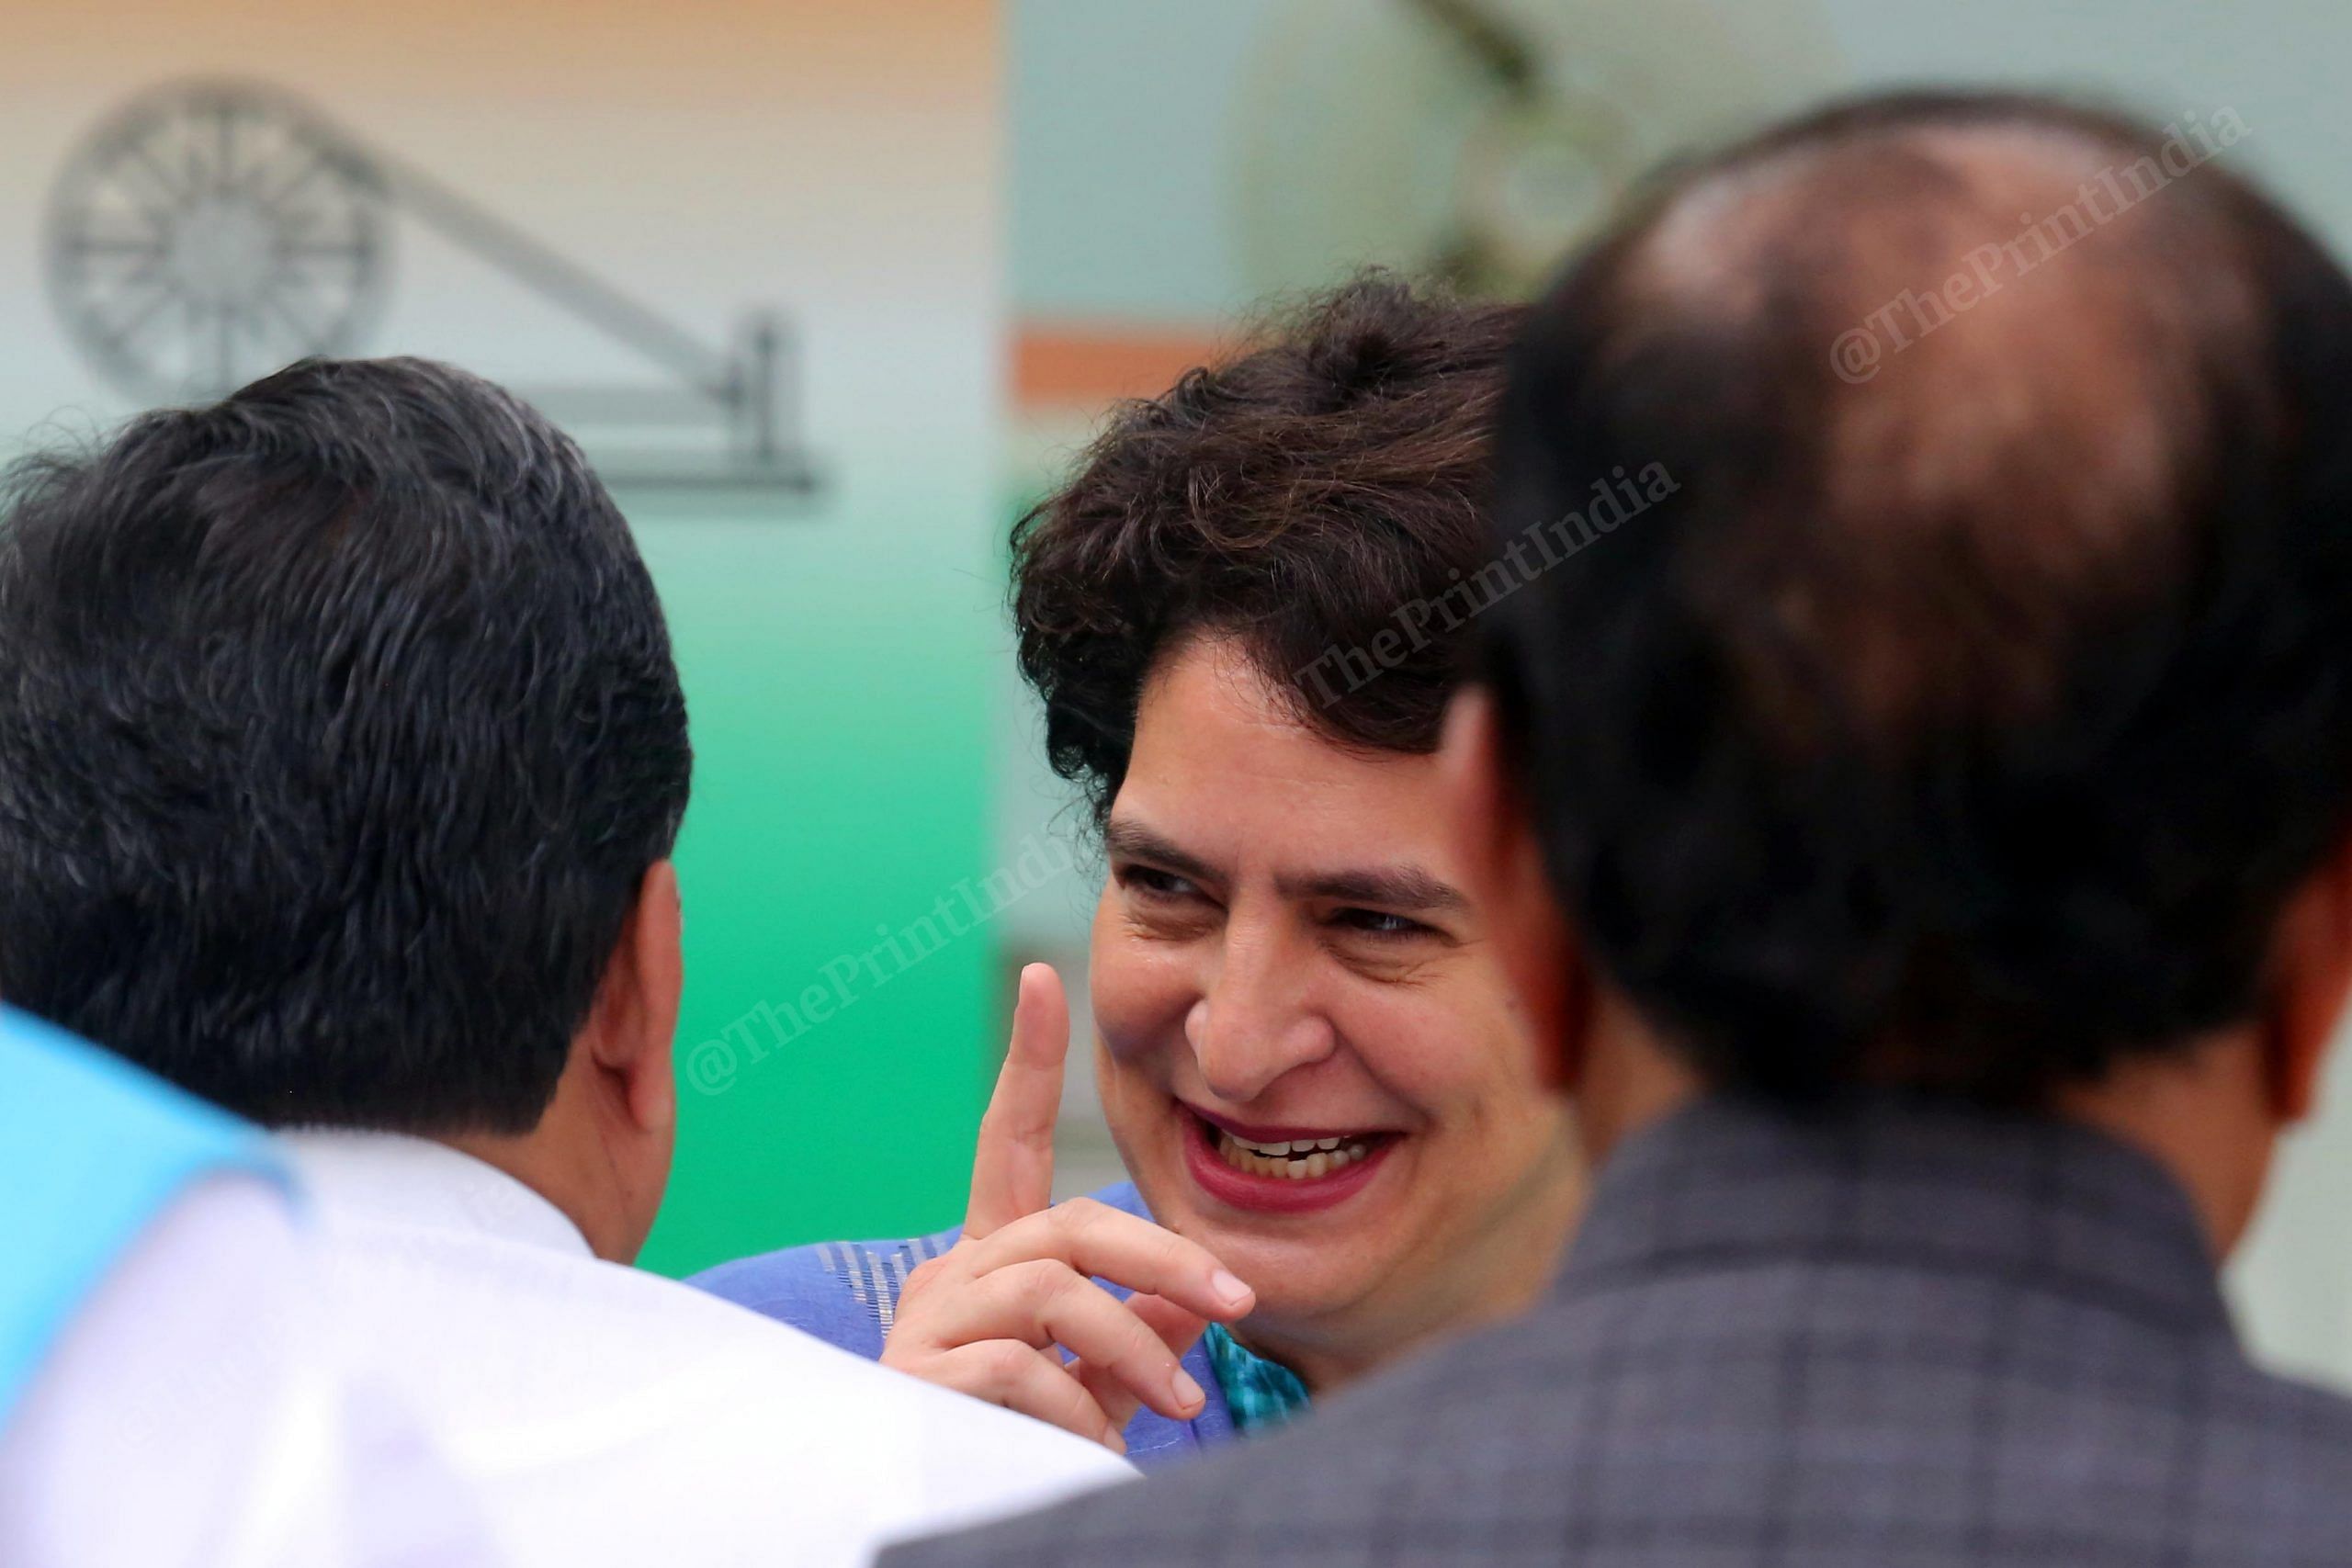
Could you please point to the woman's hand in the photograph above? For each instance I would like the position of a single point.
(991, 1317)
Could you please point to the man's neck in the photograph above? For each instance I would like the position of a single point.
(556, 1169)
(1626, 1080)
(2205, 1114)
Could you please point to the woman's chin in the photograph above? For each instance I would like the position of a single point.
(1306, 1256)
(1297, 1282)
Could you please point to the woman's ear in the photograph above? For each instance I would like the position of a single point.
(2311, 975)
(1494, 833)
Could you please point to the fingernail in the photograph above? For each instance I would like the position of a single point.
(1188, 1391)
(1114, 1439)
(1229, 1290)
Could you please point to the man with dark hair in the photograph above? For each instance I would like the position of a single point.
(345, 757)
(342, 754)
(1925, 834)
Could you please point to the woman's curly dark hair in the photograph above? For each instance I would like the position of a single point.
(1317, 497)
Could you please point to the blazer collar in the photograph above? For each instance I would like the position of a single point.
(1905, 1182)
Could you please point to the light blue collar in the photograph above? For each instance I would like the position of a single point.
(1261, 1392)
(91, 1151)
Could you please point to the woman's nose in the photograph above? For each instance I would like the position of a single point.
(1253, 1026)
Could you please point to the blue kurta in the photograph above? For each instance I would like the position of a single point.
(846, 1293)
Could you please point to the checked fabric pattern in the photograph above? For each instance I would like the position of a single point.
(1890, 1335)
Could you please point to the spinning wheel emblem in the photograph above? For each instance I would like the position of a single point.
(208, 234)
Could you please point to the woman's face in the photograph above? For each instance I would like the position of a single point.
(1308, 1052)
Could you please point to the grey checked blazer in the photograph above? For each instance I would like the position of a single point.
(1890, 1337)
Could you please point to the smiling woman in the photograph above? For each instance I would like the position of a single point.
(1305, 1046)
(1306, 1052)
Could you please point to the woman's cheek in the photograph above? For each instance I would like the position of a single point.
(1401, 1040)
(1135, 1067)
(1141, 993)
(1442, 1054)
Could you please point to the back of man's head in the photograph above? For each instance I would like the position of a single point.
(338, 731)
(1977, 701)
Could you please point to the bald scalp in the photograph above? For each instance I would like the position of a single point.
(1968, 713)
(2023, 460)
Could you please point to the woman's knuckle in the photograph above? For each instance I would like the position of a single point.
(1004, 1361)
(1038, 1283)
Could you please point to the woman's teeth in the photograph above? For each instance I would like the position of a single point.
(1302, 1160)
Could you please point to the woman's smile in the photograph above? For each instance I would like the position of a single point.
(1280, 1170)
(1305, 1050)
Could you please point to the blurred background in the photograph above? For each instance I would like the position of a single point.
(831, 291)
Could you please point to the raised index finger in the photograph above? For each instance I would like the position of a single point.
(1012, 1173)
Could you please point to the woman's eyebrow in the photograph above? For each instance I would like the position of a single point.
(1398, 887)
(1132, 840)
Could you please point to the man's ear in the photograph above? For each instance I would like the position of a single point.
(1495, 834)
(2311, 976)
(637, 1026)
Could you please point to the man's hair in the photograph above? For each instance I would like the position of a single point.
(1319, 496)
(338, 729)
(1970, 712)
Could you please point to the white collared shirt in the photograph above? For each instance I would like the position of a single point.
(601, 1415)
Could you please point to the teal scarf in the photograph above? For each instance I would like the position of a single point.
(1260, 1392)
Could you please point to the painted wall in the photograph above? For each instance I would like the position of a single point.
(837, 165)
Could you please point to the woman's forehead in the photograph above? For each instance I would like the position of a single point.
(1223, 766)
(1210, 696)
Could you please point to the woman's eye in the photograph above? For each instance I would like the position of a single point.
(1375, 922)
(1156, 884)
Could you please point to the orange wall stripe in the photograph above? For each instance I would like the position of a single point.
(1064, 366)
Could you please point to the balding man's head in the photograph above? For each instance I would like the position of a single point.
(1982, 691)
